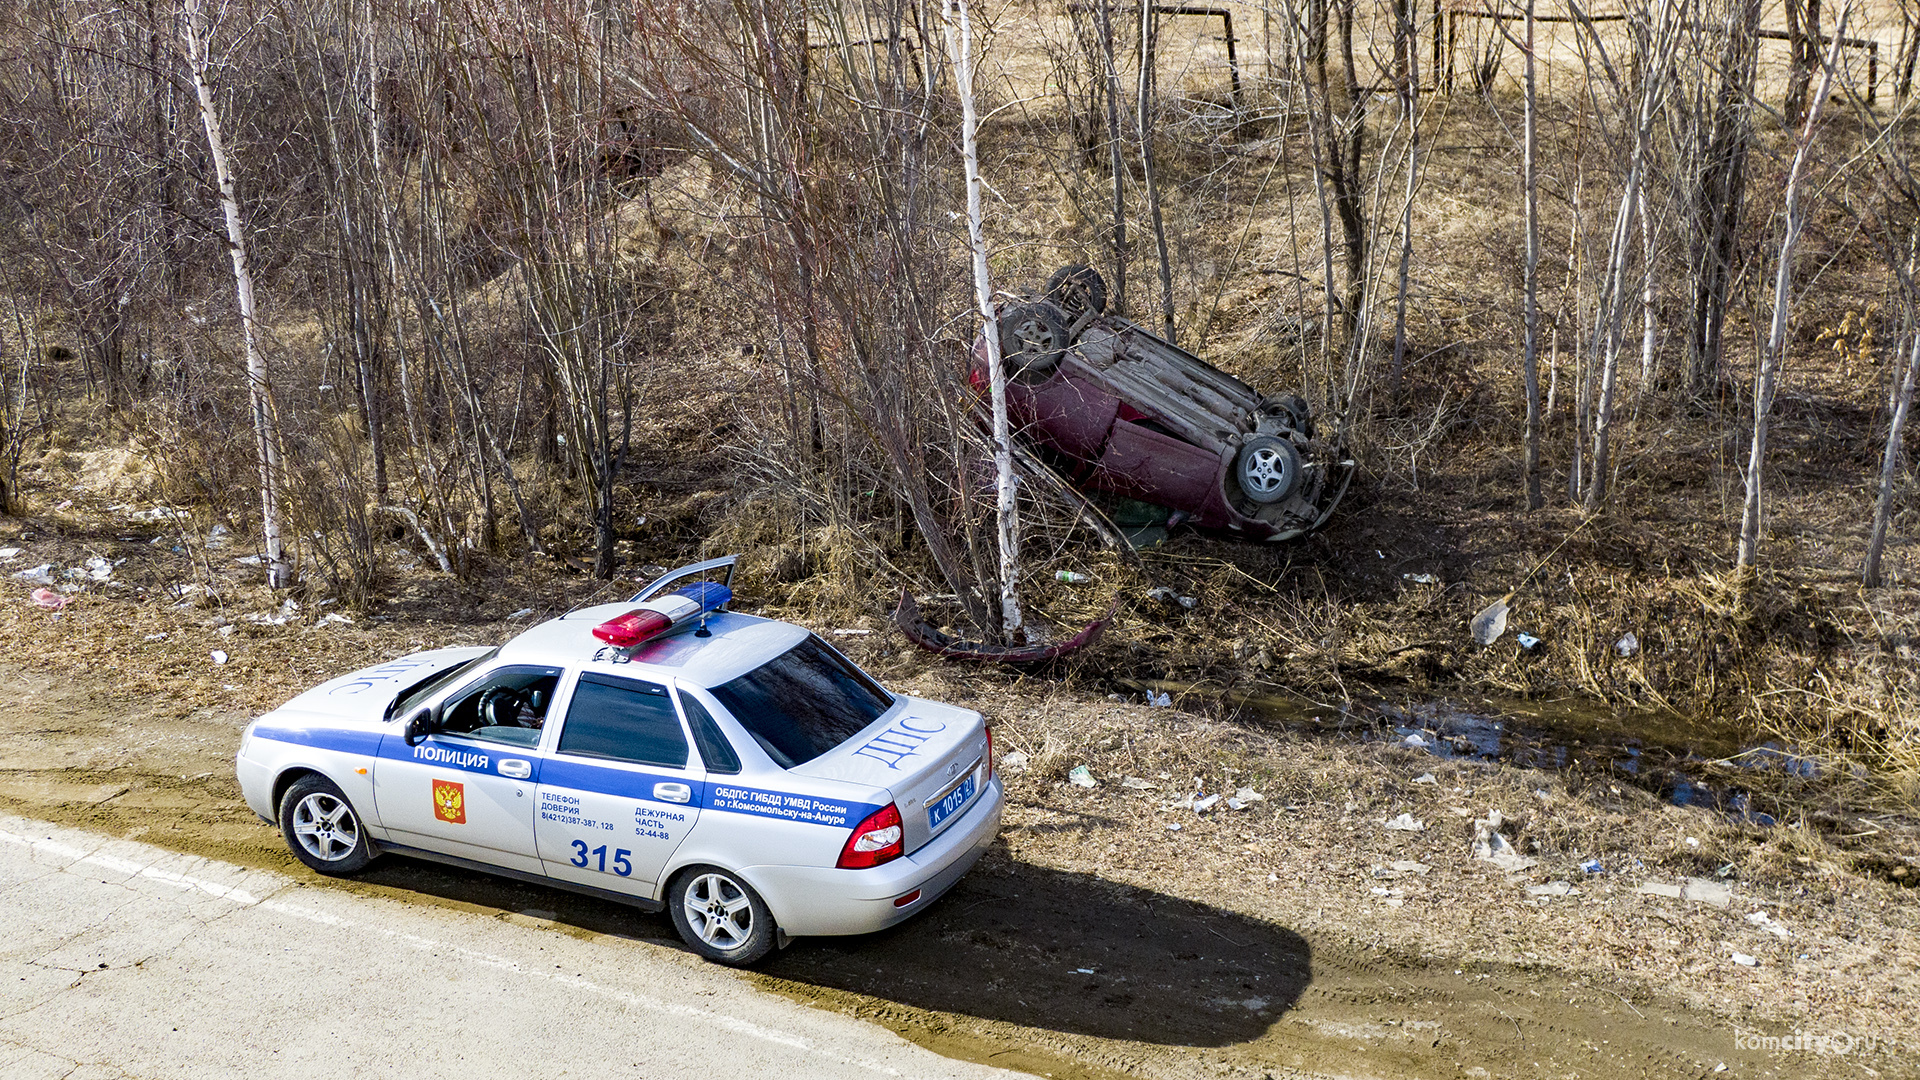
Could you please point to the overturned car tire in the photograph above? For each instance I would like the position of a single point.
(1268, 469)
(1032, 339)
(1077, 289)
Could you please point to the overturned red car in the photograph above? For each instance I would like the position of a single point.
(1122, 411)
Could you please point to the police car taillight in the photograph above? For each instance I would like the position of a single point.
(989, 753)
(663, 613)
(876, 840)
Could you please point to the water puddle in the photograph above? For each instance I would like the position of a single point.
(1683, 762)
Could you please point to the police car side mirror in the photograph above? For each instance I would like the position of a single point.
(419, 726)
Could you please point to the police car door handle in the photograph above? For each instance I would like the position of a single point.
(515, 768)
(673, 793)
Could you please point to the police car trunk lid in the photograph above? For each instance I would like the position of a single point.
(931, 757)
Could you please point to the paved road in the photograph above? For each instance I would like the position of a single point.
(118, 959)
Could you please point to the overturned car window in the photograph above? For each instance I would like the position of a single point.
(804, 702)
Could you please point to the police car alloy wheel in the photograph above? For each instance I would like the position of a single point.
(321, 827)
(721, 917)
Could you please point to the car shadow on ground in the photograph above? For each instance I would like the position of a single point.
(1012, 942)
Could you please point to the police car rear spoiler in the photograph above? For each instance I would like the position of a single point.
(661, 583)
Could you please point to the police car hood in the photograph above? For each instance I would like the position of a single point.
(365, 694)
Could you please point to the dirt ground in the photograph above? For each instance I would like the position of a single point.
(1109, 934)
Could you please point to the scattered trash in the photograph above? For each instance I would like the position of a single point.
(99, 569)
(1083, 971)
(1381, 890)
(225, 631)
(217, 536)
(1745, 961)
(1592, 866)
(1081, 776)
(1693, 841)
(1175, 827)
(1490, 846)
(1552, 888)
(1422, 579)
(1703, 891)
(1491, 622)
(852, 632)
(1168, 596)
(1406, 823)
(1138, 784)
(1766, 922)
(39, 575)
(1244, 798)
(336, 618)
(158, 513)
(1425, 778)
(9, 554)
(1655, 888)
(1203, 804)
(1416, 741)
(1527, 641)
(248, 560)
(1408, 866)
(1159, 701)
(1627, 645)
(64, 504)
(49, 599)
(219, 656)
(1071, 577)
(161, 636)
(1014, 762)
(521, 614)
(1724, 871)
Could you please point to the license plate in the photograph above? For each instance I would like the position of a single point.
(953, 801)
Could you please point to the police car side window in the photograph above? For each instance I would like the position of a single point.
(507, 705)
(624, 720)
(715, 751)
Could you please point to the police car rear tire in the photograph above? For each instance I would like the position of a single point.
(322, 828)
(720, 917)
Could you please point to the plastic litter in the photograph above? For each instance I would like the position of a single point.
(1627, 645)
(1766, 922)
(1552, 888)
(1406, 823)
(99, 569)
(247, 560)
(336, 618)
(1421, 579)
(1168, 596)
(1249, 796)
(852, 632)
(1491, 622)
(1205, 803)
(161, 636)
(1014, 762)
(1416, 741)
(1592, 866)
(1527, 641)
(1408, 866)
(7, 554)
(521, 614)
(1137, 784)
(1381, 890)
(1175, 827)
(1081, 776)
(1425, 778)
(39, 575)
(1693, 841)
(219, 656)
(1490, 846)
(1159, 701)
(49, 599)
(1655, 888)
(1071, 577)
(1745, 961)
(1703, 891)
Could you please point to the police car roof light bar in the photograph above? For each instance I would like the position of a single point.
(658, 616)
(659, 584)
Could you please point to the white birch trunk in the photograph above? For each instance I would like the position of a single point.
(1889, 465)
(265, 426)
(1531, 181)
(1751, 511)
(960, 48)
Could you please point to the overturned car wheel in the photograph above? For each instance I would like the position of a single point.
(1268, 469)
(1078, 289)
(1032, 338)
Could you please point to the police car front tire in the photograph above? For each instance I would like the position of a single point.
(321, 827)
(721, 917)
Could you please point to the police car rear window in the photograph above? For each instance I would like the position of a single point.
(804, 702)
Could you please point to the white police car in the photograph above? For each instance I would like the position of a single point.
(661, 752)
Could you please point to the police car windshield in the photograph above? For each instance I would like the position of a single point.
(804, 702)
(411, 698)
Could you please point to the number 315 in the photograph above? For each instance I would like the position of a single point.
(621, 863)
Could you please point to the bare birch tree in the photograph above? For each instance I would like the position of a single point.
(195, 41)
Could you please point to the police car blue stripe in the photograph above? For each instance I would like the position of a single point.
(578, 775)
(365, 743)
